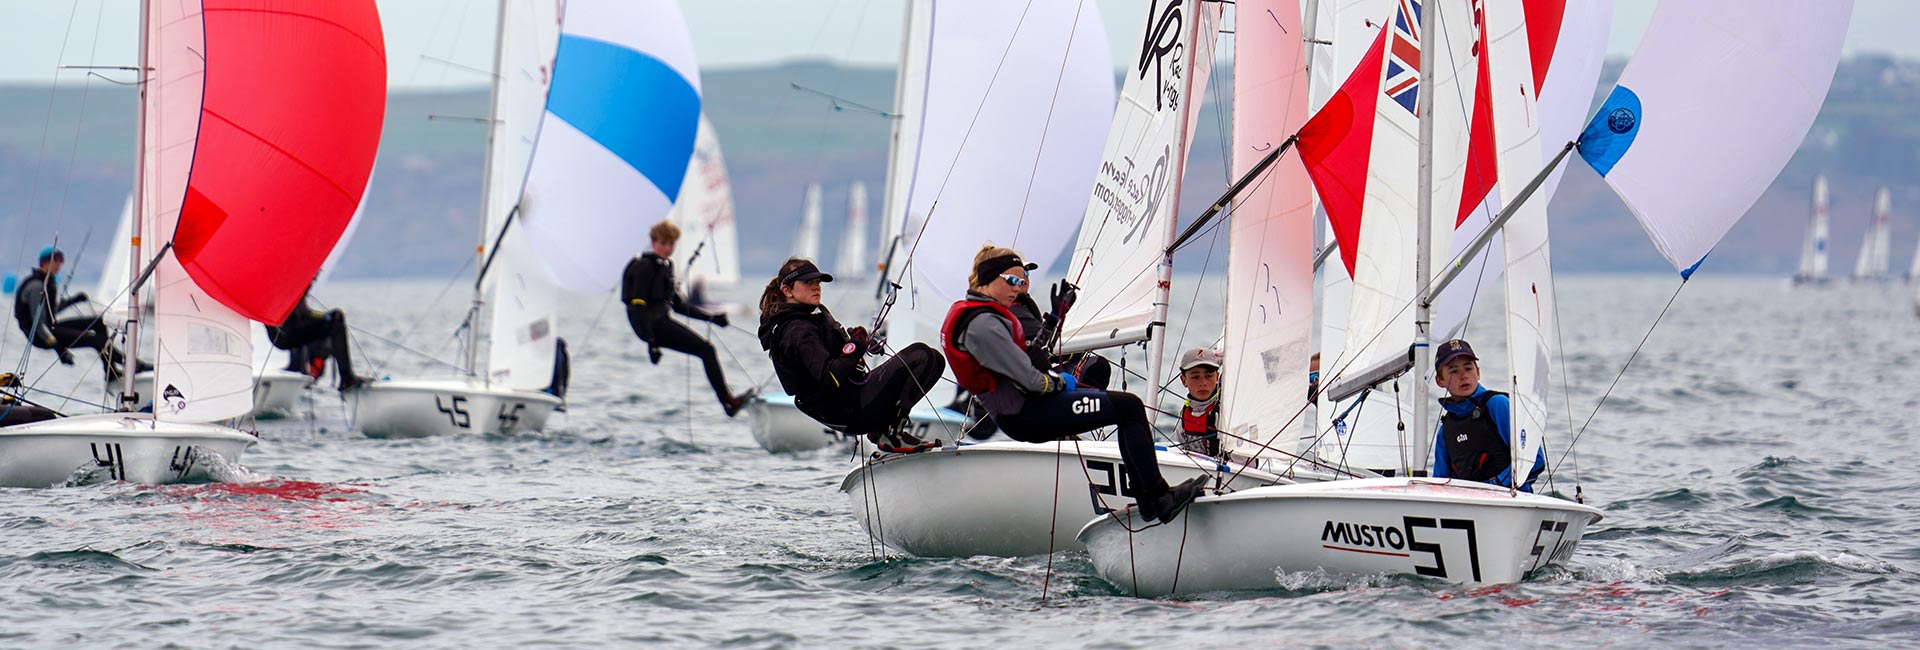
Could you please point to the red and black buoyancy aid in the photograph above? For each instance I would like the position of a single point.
(966, 369)
(1197, 424)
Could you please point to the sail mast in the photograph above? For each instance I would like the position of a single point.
(1422, 259)
(127, 397)
(472, 352)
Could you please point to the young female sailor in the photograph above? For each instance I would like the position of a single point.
(984, 344)
(822, 364)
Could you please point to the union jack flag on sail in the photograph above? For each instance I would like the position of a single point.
(1403, 57)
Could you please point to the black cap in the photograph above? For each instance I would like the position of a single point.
(806, 271)
(1450, 350)
(992, 267)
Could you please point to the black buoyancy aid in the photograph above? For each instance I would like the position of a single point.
(23, 312)
(967, 370)
(1199, 424)
(1475, 450)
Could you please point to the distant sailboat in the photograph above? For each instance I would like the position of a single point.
(806, 240)
(1813, 255)
(1872, 265)
(852, 261)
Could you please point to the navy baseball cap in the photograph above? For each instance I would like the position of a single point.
(1451, 350)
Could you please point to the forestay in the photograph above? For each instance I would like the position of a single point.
(1708, 111)
(704, 213)
(1017, 94)
(1130, 216)
(522, 300)
(1269, 289)
(621, 116)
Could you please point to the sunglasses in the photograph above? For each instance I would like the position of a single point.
(1014, 280)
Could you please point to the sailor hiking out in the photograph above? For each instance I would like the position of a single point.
(648, 291)
(37, 305)
(986, 348)
(1474, 441)
(822, 365)
(311, 336)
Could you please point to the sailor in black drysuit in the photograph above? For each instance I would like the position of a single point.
(1474, 439)
(821, 364)
(309, 334)
(647, 289)
(983, 343)
(37, 304)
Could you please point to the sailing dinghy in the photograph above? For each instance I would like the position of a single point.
(1645, 141)
(1813, 254)
(1015, 498)
(611, 97)
(1873, 262)
(257, 135)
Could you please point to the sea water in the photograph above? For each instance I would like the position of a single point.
(1754, 464)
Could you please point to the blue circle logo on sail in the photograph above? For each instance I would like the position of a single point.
(1611, 133)
(1621, 120)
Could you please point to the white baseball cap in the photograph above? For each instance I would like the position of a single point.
(1199, 357)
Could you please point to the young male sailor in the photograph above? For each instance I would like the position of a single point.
(1200, 415)
(303, 328)
(984, 344)
(37, 305)
(648, 291)
(1474, 440)
(821, 364)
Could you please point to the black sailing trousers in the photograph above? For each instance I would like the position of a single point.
(1054, 416)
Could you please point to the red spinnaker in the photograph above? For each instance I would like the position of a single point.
(1337, 144)
(289, 123)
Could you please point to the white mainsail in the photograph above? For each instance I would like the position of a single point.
(851, 263)
(1129, 220)
(705, 215)
(1269, 323)
(520, 298)
(1007, 141)
(1702, 120)
(1813, 254)
(203, 352)
(114, 276)
(806, 240)
(1878, 243)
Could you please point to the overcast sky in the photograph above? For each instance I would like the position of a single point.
(37, 36)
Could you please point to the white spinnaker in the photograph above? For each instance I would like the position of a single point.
(1269, 326)
(332, 262)
(806, 240)
(1711, 107)
(622, 113)
(1018, 95)
(1126, 226)
(704, 213)
(1813, 253)
(203, 351)
(851, 263)
(521, 299)
(1529, 264)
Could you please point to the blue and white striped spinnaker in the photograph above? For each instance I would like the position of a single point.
(622, 113)
(1717, 98)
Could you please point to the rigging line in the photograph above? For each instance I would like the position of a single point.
(1566, 384)
(1033, 172)
(1622, 373)
(1296, 458)
(381, 365)
(46, 129)
(934, 208)
(398, 346)
(80, 124)
(1194, 300)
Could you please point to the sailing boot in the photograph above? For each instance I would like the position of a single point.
(734, 403)
(899, 439)
(1170, 502)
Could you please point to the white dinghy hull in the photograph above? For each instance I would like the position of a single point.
(276, 393)
(447, 407)
(780, 427)
(128, 447)
(1457, 531)
(1007, 499)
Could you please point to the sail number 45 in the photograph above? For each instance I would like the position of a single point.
(455, 407)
